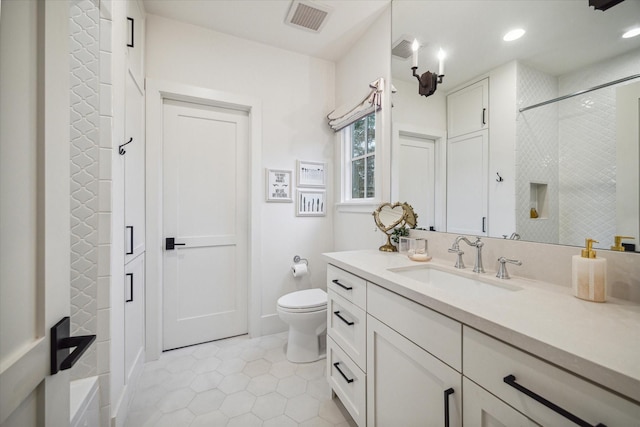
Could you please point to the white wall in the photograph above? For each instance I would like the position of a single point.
(297, 92)
(368, 60)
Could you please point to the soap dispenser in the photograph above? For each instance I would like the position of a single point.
(589, 274)
(618, 245)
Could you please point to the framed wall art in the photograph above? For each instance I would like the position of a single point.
(279, 187)
(311, 174)
(311, 203)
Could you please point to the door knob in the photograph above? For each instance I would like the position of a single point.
(61, 343)
(170, 243)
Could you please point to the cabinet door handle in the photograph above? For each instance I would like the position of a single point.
(348, 288)
(337, 313)
(132, 27)
(484, 224)
(484, 114)
(511, 380)
(347, 379)
(130, 276)
(448, 392)
(130, 251)
(170, 243)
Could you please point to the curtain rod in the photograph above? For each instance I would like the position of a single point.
(580, 92)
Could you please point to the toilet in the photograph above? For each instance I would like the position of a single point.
(306, 314)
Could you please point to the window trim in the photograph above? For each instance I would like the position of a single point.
(347, 203)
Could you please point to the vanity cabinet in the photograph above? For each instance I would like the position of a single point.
(423, 368)
(491, 364)
(346, 340)
(468, 109)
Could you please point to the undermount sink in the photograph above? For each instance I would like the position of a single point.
(449, 281)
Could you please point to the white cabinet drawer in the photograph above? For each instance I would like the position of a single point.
(488, 361)
(347, 381)
(347, 325)
(438, 334)
(351, 287)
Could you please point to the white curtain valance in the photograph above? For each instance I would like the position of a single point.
(342, 117)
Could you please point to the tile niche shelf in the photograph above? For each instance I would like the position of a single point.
(539, 200)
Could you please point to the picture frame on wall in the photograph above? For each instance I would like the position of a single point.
(311, 174)
(311, 203)
(278, 186)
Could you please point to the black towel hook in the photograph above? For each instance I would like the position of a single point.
(499, 179)
(121, 149)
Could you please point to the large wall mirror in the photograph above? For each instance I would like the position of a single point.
(555, 173)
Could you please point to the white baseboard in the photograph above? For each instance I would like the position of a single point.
(271, 324)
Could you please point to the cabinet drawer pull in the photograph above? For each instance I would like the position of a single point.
(130, 251)
(448, 392)
(348, 288)
(347, 379)
(484, 116)
(337, 313)
(511, 380)
(133, 23)
(130, 276)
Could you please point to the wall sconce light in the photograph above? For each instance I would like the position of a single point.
(428, 81)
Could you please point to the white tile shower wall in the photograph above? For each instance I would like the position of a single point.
(105, 230)
(588, 152)
(84, 68)
(536, 154)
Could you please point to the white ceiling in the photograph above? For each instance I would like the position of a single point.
(263, 21)
(561, 34)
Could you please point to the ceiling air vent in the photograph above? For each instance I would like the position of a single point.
(307, 15)
(402, 47)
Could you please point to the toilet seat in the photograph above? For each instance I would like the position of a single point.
(306, 301)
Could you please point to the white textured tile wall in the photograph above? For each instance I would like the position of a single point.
(84, 66)
(103, 344)
(537, 154)
(587, 130)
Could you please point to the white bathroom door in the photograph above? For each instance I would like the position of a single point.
(205, 211)
(418, 177)
(34, 209)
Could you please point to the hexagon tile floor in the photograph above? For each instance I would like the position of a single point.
(235, 382)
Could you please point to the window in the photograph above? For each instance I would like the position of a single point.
(360, 147)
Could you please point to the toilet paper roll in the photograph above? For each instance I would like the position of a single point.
(299, 270)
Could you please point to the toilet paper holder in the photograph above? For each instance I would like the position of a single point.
(297, 260)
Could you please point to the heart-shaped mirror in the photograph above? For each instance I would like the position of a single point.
(389, 216)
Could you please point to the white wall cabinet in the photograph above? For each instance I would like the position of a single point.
(133, 316)
(407, 386)
(468, 109)
(134, 169)
(467, 183)
(135, 40)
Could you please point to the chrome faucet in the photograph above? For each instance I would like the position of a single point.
(455, 248)
(502, 268)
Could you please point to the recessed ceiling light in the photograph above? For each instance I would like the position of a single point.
(631, 33)
(513, 35)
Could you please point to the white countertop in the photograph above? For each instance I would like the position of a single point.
(598, 341)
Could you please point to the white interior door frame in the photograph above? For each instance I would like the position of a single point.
(440, 138)
(157, 91)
